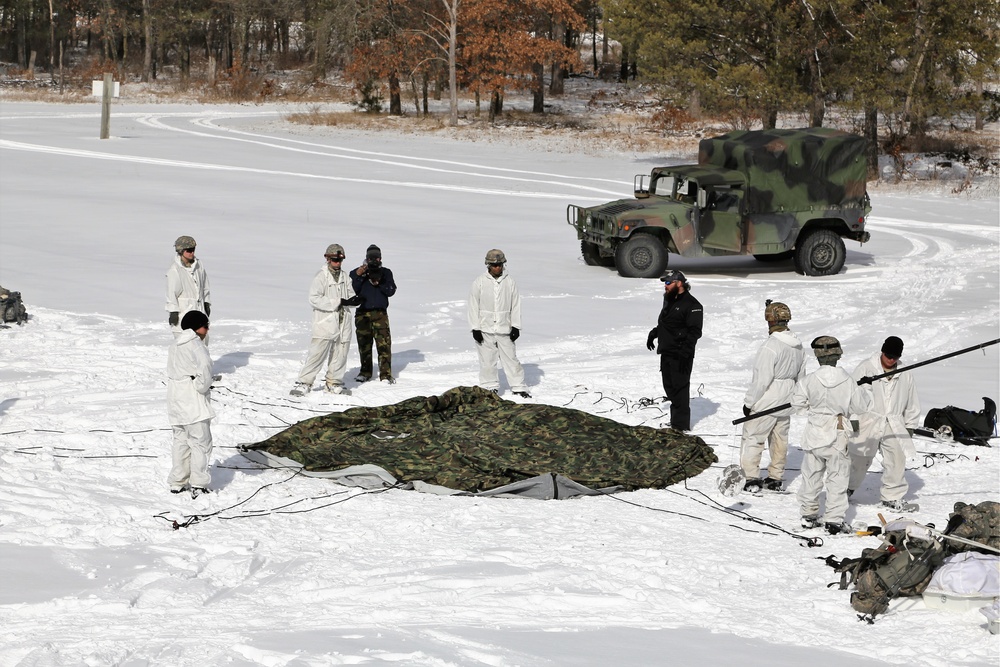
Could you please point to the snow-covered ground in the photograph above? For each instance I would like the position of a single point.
(293, 571)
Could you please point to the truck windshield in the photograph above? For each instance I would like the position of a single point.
(663, 186)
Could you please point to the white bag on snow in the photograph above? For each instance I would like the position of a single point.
(967, 580)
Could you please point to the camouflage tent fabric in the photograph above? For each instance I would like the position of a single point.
(471, 440)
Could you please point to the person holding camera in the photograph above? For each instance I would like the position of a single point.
(374, 284)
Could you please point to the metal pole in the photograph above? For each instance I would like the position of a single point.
(869, 380)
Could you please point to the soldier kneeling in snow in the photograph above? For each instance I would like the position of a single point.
(827, 396)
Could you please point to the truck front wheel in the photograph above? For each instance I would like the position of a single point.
(642, 256)
(821, 253)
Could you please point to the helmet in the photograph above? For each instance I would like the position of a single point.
(671, 276)
(183, 243)
(827, 346)
(775, 311)
(495, 257)
(335, 250)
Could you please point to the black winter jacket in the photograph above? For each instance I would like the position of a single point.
(678, 328)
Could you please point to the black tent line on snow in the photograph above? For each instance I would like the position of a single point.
(468, 441)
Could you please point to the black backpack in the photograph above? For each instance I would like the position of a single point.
(11, 307)
(967, 427)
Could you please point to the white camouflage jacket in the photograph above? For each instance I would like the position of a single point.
(828, 396)
(494, 304)
(779, 364)
(895, 408)
(187, 287)
(331, 321)
(189, 380)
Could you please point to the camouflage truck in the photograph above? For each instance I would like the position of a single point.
(773, 194)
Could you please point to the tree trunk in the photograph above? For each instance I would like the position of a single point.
(395, 101)
(871, 136)
(538, 97)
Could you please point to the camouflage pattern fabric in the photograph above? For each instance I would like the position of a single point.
(471, 440)
(373, 327)
(981, 524)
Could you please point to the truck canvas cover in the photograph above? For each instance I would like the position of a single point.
(470, 440)
(819, 167)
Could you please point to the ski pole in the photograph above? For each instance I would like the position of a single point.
(869, 379)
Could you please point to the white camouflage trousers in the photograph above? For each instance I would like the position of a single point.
(191, 450)
(773, 430)
(334, 353)
(834, 462)
(894, 485)
(496, 348)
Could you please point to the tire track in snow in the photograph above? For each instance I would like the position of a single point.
(369, 156)
(205, 166)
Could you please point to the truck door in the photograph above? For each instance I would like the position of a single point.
(720, 221)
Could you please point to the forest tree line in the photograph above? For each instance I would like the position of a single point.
(903, 62)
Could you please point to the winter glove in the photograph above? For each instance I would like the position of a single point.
(746, 411)
(208, 309)
(477, 335)
(353, 301)
(515, 333)
(651, 340)
(174, 319)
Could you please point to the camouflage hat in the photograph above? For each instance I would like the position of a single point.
(827, 346)
(495, 257)
(336, 251)
(775, 311)
(183, 243)
(671, 276)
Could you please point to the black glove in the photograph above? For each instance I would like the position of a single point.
(477, 335)
(353, 301)
(515, 333)
(651, 340)
(174, 319)
(746, 411)
(208, 310)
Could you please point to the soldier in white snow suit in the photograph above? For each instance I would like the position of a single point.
(330, 295)
(494, 314)
(187, 285)
(779, 364)
(887, 426)
(189, 381)
(828, 396)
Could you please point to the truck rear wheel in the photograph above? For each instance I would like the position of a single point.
(820, 253)
(592, 255)
(642, 256)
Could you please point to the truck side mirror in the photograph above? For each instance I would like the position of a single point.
(639, 186)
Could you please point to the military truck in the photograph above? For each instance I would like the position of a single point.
(773, 194)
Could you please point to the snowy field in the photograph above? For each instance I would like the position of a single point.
(291, 571)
